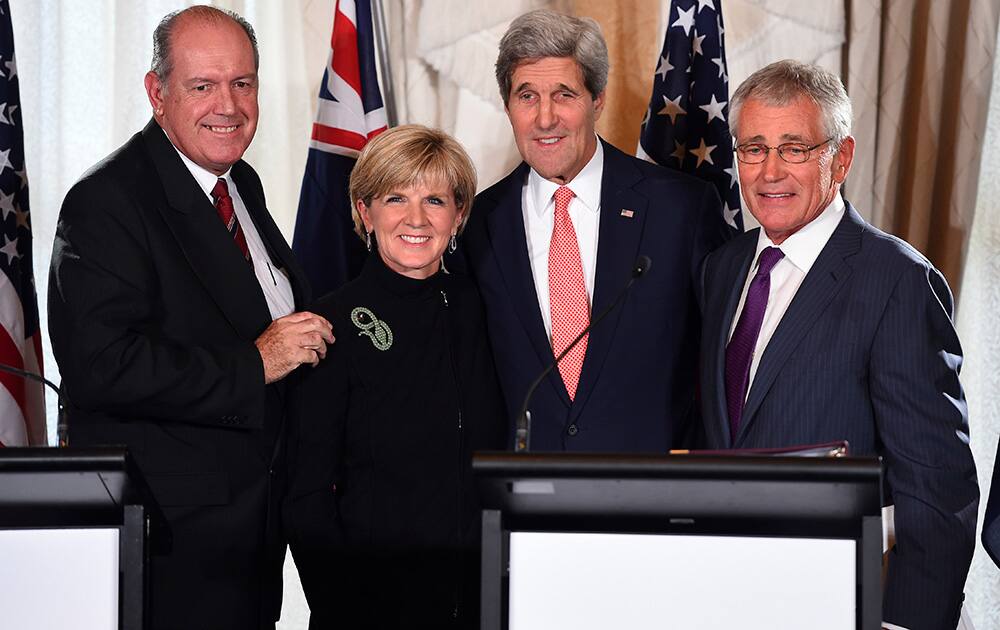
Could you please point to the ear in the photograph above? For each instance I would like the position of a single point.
(842, 160)
(458, 220)
(155, 90)
(599, 105)
(363, 213)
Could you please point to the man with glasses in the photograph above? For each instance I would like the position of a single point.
(819, 328)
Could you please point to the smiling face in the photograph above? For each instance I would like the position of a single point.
(785, 197)
(207, 105)
(553, 117)
(412, 226)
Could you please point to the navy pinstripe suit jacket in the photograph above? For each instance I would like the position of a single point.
(867, 353)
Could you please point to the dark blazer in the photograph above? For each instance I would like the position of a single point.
(153, 314)
(867, 353)
(636, 391)
(991, 520)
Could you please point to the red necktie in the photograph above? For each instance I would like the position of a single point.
(568, 301)
(224, 206)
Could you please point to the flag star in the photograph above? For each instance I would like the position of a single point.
(22, 218)
(680, 150)
(10, 248)
(11, 67)
(714, 109)
(664, 67)
(696, 44)
(719, 61)
(3, 117)
(704, 153)
(730, 214)
(6, 204)
(645, 119)
(685, 19)
(671, 108)
(731, 171)
(23, 175)
(718, 26)
(5, 161)
(706, 3)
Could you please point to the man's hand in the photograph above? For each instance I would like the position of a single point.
(291, 341)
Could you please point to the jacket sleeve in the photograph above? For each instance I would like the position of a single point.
(922, 422)
(105, 309)
(319, 400)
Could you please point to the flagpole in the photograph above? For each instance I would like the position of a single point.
(385, 69)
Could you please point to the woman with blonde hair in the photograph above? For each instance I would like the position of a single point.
(382, 516)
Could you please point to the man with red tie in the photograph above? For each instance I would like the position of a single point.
(556, 240)
(172, 314)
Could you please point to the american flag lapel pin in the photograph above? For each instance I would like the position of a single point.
(628, 214)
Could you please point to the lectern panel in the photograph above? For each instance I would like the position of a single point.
(596, 581)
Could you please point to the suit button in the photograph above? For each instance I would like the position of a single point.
(572, 430)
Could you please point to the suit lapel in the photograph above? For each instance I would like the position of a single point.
(505, 224)
(732, 277)
(203, 239)
(617, 248)
(274, 241)
(826, 277)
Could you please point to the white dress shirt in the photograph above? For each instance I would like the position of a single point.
(538, 208)
(274, 282)
(801, 250)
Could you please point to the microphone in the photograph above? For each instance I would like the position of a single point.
(62, 423)
(522, 434)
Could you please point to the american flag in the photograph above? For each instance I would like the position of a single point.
(686, 126)
(350, 114)
(22, 402)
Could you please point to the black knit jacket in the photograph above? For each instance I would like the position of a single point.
(382, 514)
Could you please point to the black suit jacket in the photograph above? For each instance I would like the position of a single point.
(636, 391)
(867, 353)
(153, 313)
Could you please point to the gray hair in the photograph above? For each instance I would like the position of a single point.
(544, 33)
(162, 61)
(783, 82)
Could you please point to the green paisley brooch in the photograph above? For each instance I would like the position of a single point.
(374, 328)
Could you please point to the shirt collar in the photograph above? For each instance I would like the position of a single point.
(586, 185)
(206, 179)
(803, 247)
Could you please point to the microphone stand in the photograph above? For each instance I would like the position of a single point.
(522, 433)
(62, 425)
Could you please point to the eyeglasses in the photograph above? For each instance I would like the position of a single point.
(791, 152)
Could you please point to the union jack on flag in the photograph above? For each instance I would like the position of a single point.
(686, 126)
(22, 402)
(350, 114)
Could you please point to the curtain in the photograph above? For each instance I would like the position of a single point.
(919, 74)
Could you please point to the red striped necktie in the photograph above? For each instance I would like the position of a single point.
(224, 206)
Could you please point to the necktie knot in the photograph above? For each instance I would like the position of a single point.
(221, 190)
(769, 257)
(563, 196)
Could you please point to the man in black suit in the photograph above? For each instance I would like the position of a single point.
(171, 310)
(555, 241)
(819, 327)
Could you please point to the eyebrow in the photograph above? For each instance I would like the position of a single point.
(785, 137)
(559, 88)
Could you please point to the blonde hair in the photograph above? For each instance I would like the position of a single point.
(407, 155)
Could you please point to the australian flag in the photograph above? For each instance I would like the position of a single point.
(686, 126)
(350, 114)
(22, 402)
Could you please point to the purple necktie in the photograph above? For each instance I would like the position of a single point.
(739, 352)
